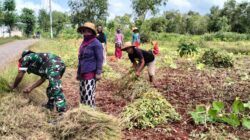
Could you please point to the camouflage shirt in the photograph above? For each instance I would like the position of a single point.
(40, 63)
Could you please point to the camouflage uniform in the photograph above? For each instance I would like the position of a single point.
(51, 67)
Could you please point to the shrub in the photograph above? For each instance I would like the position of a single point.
(144, 37)
(187, 49)
(149, 111)
(218, 59)
(69, 33)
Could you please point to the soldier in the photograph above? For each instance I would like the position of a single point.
(47, 66)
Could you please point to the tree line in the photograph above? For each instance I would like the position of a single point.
(28, 21)
(232, 17)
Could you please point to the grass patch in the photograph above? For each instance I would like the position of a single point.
(109, 73)
(66, 49)
(6, 40)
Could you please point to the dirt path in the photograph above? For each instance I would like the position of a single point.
(10, 50)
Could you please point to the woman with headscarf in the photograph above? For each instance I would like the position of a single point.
(90, 63)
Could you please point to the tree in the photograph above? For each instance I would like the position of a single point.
(175, 22)
(123, 21)
(142, 7)
(9, 7)
(59, 20)
(1, 14)
(88, 10)
(29, 20)
(214, 17)
(229, 11)
(196, 24)
(43, 20)
(158, 24)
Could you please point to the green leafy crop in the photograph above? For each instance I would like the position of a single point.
(216, 113)
(149, 111)
(187, 49)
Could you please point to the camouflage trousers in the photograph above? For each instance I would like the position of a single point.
(54, 91)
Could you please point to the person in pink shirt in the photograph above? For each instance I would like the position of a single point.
(118, 43)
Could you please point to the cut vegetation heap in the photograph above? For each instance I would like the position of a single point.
(20, 119)
(150, 110)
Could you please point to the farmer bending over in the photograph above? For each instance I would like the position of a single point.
(140, 58)
(47, 66)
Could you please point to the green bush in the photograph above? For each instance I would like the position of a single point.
(149, 111)
(187, 49)
(218, 59)
(69, 33)
(217, 113)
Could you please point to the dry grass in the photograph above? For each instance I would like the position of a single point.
(21, 119)
(86, 123)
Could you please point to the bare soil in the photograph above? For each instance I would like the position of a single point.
(184, 87)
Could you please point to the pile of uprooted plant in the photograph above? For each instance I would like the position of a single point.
(20, 118)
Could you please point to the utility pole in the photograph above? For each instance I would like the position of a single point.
(50, 13)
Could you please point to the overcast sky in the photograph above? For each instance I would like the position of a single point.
(120, 7)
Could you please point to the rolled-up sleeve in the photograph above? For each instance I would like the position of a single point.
(24, 63)
(99, 57)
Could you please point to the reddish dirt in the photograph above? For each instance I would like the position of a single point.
(183, 88)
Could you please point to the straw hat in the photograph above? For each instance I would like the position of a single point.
(88, 25)
(134, 28)
(127, 45)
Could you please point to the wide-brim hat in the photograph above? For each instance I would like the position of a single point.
(87, 25)
(127, 45)
(134, 29)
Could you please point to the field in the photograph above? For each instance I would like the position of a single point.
(165, 110)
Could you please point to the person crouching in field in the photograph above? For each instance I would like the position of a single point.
(47, 66)
(90, 63)
(118, 43)
(140, 58)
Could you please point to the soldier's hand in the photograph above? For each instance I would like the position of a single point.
(27, 90)
(98, 77)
